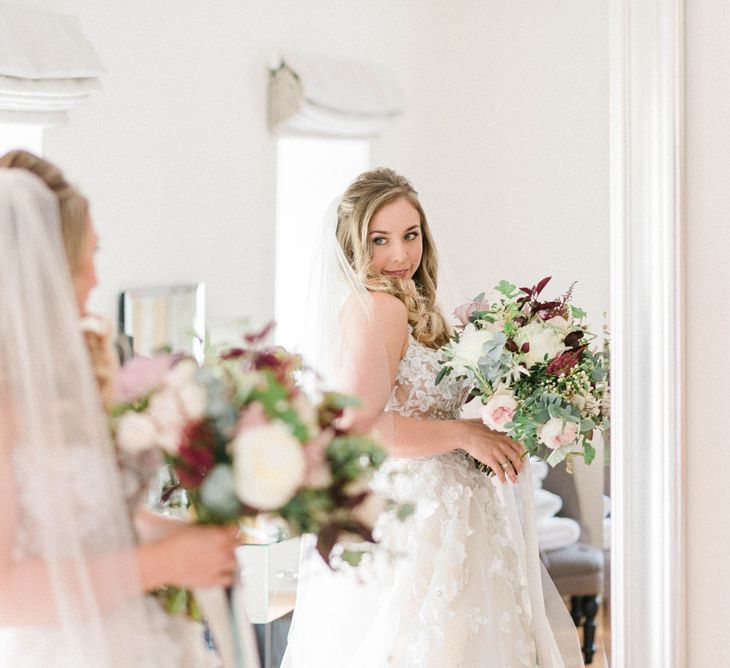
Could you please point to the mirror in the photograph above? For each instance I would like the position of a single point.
(164, 317)
(504, 132)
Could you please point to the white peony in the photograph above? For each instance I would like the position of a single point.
(371, 508)
(269, 465)
(194, 400)
(556, 433)
(183, 373)
(499, 410)
(560, 323)
(543, 339)
(469, 349)
(166, 410)
(136, 432)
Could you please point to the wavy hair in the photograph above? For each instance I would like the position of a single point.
(365, 196)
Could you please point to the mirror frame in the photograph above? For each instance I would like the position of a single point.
(647, 305)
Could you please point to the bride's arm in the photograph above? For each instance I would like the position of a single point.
(186, 557)
(373, 371)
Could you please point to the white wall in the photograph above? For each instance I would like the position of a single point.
(505, 135)
(708, 318)
(175, 151)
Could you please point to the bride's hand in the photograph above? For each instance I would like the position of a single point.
(196, 556)
(492, 448)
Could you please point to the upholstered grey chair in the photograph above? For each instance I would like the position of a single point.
(576, 570)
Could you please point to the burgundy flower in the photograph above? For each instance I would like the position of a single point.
(573, 340)
(280, 363)
(257, 337)
(564, 362)
(233, 353)
(195, 454)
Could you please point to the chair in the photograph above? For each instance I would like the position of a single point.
(576, 570)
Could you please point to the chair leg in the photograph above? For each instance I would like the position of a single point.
(590, 608)
(576, 610)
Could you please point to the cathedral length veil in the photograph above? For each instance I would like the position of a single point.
(335, 613)
(71, 592)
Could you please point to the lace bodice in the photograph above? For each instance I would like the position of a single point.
(415, 393)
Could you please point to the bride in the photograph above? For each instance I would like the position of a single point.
(467, 589)
(72, 579)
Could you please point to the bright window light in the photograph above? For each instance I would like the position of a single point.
(310, 174)
(18, 135)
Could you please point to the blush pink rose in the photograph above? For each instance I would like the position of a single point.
(141, 375)
(464, 312)
(499, 410)
(556, 433)
(253, 416)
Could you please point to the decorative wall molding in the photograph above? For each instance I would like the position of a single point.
(647, 199)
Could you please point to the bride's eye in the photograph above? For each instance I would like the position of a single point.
(411, 236)
(379, 241)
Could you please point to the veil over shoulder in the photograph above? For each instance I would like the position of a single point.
(70, 592)
(468, 588)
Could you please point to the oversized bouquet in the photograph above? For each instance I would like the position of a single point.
(244, 440)
(531, 364)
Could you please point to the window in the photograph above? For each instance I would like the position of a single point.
(18, 135)
(311, 173)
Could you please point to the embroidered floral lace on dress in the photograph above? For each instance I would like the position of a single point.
(459, 597)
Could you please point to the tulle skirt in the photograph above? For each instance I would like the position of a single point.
(457, 593)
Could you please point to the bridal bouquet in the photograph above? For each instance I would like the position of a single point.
(244, 440)
(531, 364)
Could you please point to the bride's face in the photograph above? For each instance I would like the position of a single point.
(85, 279)
(395, 239)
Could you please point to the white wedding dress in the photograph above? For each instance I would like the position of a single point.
(458, 596)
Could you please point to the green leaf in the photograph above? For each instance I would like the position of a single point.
(440, 376)
(558, 455)
(340, 401)
(405, 510)
(352, 557)
(598, 374)
(577, 312)
(587, 425)
(589, 452)
(506, 288)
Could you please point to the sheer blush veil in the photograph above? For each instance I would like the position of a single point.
(71, 594)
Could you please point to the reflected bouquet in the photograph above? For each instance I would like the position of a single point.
(244, 440)
(531, 364)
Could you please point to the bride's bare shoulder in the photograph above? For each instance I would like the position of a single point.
(390, 312)
(391, 318)
(389, 308)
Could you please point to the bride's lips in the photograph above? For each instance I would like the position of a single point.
(403, 273)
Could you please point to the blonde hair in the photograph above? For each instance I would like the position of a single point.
(367, 194)
(74, 215)
(73, 206)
